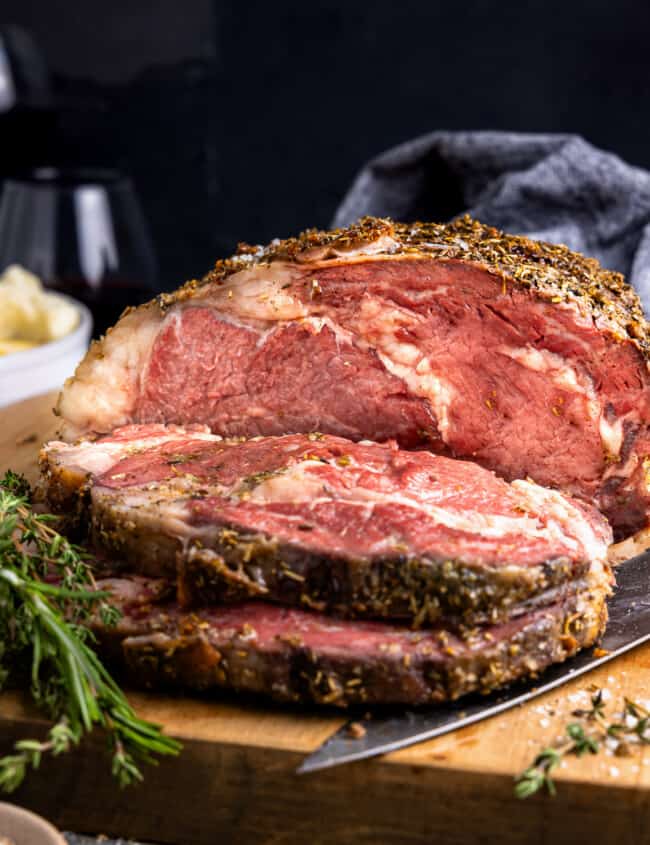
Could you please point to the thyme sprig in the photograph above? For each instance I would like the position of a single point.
(631, 727)
(47, 597)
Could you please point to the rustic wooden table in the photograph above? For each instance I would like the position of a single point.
(235, 780)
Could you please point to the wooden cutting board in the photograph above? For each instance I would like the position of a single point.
(235, 781)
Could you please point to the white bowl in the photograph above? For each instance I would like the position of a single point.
(45, 367)
(25, 828)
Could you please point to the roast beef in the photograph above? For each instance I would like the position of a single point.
(520, 355)
(355, 528)
(296, 655)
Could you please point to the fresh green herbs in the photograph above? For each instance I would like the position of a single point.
(47, 594)
(539, 775)
(631, 727)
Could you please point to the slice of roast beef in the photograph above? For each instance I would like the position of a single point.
(302, 656)
(359, 529)
(522, 356)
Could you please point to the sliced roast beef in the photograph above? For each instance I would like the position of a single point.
(297, 655)
(357, 528)
(522, 356)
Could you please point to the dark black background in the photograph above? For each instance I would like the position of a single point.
(245, 121)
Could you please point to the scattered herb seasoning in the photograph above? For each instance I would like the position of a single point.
(47, 592)
(553, 270)
(632, 727)
(356, 730)
(180, 459)
(249, 482)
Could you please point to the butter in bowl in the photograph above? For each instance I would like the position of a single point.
(43, 336)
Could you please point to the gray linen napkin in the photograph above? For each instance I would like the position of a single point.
(556, 188)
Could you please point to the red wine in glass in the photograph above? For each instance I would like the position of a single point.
(82, 232)
(107, 302)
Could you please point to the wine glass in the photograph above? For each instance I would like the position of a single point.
(83, 233)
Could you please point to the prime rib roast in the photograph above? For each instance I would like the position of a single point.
(304, 656)
(359, 529)
(521, 356)
(368, 465)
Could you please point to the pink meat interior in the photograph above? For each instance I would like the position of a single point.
(245, 378)
(363, 499)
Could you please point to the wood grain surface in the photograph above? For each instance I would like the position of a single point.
(235, 780)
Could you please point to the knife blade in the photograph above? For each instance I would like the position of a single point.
(628, 627)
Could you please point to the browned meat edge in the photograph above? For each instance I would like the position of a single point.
(420, 590)
(167, 648)
(552, 269)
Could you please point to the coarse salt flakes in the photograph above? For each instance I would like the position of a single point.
(578, 697)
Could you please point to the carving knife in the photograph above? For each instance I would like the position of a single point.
(628, 627)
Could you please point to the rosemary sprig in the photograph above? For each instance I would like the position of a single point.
(633, 727)
(47, 593)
